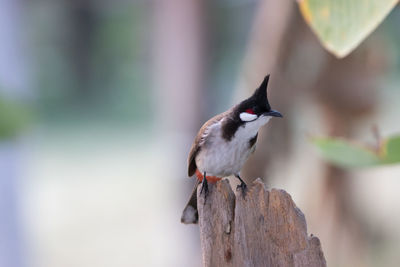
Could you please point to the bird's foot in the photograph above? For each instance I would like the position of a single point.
(204, 188)
(242, 187)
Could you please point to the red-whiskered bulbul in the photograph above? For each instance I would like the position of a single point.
(224, 143)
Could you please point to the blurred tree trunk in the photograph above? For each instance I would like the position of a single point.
(14, 74)
(11, 236)
(84, 19)
(178, 81)
(344, 91)
(14, 84)
(265, 55)
(178, 62)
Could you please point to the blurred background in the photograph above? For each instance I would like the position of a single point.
(100, 101)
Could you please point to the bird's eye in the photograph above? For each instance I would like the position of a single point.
(249, 110)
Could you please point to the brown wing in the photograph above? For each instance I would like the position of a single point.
(194, 150)
(192, 159)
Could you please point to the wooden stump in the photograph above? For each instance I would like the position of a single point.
(263, 228)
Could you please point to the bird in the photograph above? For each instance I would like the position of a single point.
(224, 143)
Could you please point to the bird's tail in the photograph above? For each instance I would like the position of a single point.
(190, 214)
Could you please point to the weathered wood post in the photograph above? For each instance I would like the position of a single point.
(265, 228)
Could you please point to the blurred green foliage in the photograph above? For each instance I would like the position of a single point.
(341, 26)
(94, 71)
(344, 153)
(13, 118)
(392, 150)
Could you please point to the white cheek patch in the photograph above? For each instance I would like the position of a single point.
(244, 116)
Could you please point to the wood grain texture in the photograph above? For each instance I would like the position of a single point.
(264, 228)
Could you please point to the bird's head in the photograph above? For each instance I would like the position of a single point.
(257, 106)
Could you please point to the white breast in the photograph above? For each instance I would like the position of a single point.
(219, 157)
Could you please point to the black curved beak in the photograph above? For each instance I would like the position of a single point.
(274, 113)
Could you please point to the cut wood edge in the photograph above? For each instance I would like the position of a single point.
(263, 227)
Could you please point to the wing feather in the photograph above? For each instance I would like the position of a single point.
(196, 146)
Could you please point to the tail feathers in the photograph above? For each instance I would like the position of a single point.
(190, 214)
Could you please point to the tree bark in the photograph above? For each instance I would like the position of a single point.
(262, 228)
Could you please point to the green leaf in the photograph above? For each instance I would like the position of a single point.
(344, 153)
(392, 150)
(341, 25)
(13, 118)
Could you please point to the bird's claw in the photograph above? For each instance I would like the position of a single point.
(204, 187)
(243, 187)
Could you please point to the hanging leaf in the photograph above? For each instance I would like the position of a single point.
(392, 150)
(341, 25)
(344, 153)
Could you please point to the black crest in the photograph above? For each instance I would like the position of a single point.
(258, 102)
(260, 95)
